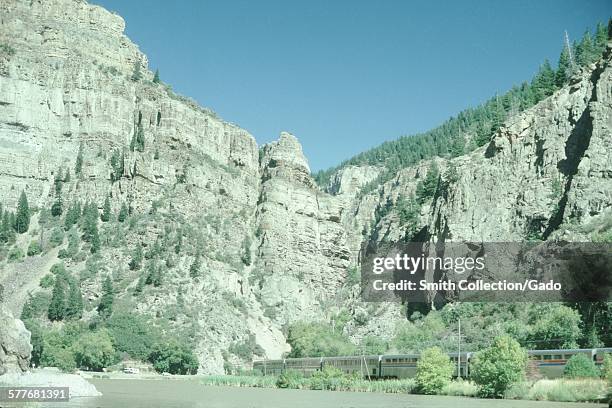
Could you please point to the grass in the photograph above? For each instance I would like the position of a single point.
(560, 390)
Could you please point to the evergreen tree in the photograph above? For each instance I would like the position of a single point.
(74, 308)
(140, 139)
(585, 52)
(136, 261)
(56, 208)
(564, 69)
(106, 212)
(67, 176)
(105, 308)
(156, 77)
(57, 307)
(139, 286)
(72, 215)
(58, 181)
(194, 269)
(78, 167)
(601, 38)
(123, 213)
(136, 74)
(22, 219)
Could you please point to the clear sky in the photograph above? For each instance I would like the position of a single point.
(346, 75)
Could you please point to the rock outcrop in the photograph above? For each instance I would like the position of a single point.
(15, 348)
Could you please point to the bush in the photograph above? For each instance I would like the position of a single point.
(56, 238)
(290, 379)
(317, 340)
(606, 369)
(560, 390)
(327, 379)
(94, 350)
(15, 254)
(35, 306)
(174, 359)
(132, 334)
(498, 367)
(434, 371)
(34, 248)
(580, 366)
(47, 281)
(247, 348)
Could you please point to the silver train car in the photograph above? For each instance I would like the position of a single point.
(550, 363)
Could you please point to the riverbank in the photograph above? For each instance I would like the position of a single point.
(557, 390)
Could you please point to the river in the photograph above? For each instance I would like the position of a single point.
(169, 393)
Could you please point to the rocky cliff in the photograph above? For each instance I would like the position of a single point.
(72, 84)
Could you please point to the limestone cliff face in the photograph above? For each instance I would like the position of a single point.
(546, 172)
(69, 80)
(301, 239)
(15, 348)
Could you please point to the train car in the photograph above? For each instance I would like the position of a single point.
(398, 365)
(306, 366)
(600, 353)
(269, 367)
(551, 363)
(463, 360)
(365, 366)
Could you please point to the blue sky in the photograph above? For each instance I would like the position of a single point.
(346, 75)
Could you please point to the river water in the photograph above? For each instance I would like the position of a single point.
(169, 393)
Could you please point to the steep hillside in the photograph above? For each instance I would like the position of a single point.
(82, 121)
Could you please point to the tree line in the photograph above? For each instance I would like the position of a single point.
(473, 127)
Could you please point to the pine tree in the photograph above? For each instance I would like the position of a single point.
(194, 269)
(22, 218)
(58, 181)
(67, 176)
(136, 261)
(564, 69)
(156, 77)
(57, 307)
(585, 52)
(139, 286)
(95, 240)
(74, 308)
(72, 215)
(105, 308)
(123, 213)
(136, 74)
(140, 139)
(106, 212)
(601, 38)
(78, 167)
(56, 208)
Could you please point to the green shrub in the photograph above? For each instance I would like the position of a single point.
(606, 369)
(460, 388)
(34, 248)
(434, 371)
(94, 350)
(173, 358)
(132, 334)
(317, 340)
(56, 238)
(246, 349)
(329, 378)
(580, 366)
(47, 281)
(498, 367)
(15, 254)
(290, 379)
(35, 306)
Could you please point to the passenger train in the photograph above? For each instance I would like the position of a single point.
(550, 363)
